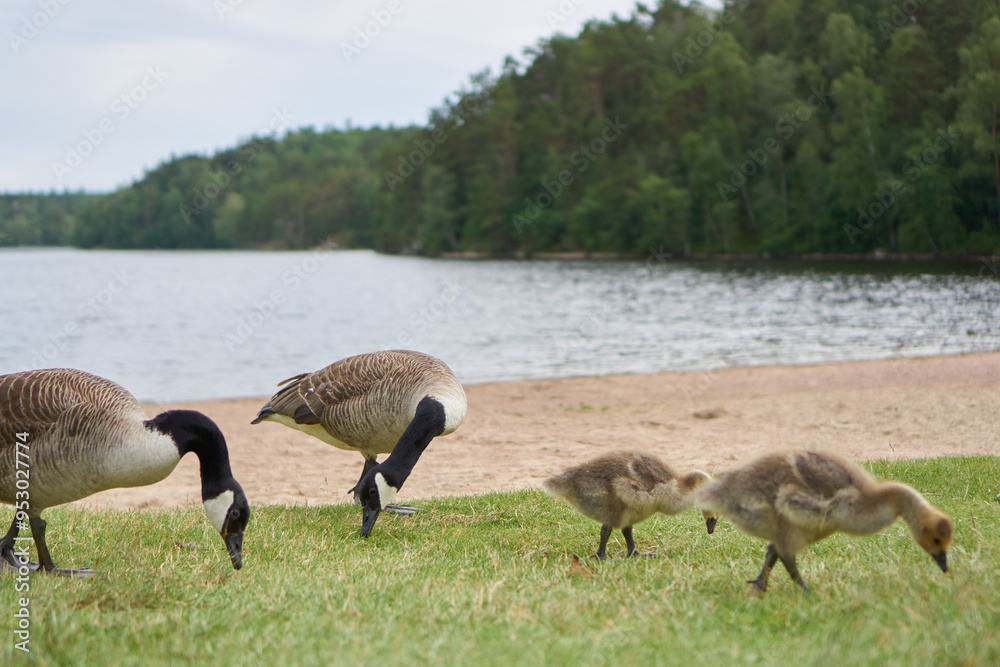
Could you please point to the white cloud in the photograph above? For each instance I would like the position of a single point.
(226, 75)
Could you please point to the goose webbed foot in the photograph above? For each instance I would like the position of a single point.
(10, 559)
(404, 510)
(75, 573)
(10, 562)
(38, 524)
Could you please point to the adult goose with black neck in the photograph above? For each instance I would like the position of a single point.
(393, 401)
(67, 434)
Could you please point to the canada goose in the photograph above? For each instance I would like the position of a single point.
(391, 401)
(796, 498)
(621, 489)
(66, 434)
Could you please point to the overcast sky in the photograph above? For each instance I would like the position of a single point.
(96, 92)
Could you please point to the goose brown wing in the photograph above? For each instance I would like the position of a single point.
(315, 398)
(295, 399)
(36, 402)
(58, 406)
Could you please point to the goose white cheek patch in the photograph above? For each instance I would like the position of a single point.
(385, 492)
(217, 508)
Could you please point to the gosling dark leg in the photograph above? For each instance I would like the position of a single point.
(605, 535)
(44, 559)
(629, 542)
(793, 570)
(770, 558)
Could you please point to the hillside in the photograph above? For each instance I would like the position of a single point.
(781, 127)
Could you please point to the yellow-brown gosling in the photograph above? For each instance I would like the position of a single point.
(793, 499)
(66, 434)
(620, 489)
(392, 402)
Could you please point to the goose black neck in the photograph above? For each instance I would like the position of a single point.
(427, 424)
(192, 431)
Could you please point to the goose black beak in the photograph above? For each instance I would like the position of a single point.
(942, 560)
(710, 524)
(368, 518)
(234, 545)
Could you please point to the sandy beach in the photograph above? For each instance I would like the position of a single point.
(518, 433)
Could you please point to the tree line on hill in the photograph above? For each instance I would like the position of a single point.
(779, 127)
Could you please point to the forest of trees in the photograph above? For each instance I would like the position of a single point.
(775, 126)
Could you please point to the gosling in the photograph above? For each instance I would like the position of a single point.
(793, 499)
(623, 488)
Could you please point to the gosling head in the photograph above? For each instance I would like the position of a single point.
(376, 492)
(229, 513)
(691, 483)
(932, 530)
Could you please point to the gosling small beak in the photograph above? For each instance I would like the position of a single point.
(942, 560)
(368, 518)
(234, 545)
(710, 523)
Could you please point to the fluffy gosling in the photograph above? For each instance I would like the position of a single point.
(623, 488)
(793, 499)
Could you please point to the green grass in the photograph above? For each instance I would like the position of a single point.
(487, 580)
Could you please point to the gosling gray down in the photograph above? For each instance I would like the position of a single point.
(620, 489)
(66, 434)
(793, 499)
(390, 402)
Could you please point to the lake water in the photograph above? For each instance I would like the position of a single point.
(173, 326)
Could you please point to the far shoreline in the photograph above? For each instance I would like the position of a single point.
(991, 263)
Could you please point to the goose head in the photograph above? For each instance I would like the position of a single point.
(225, 503)
(932, 530)
(229, 513)
(376, 492)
